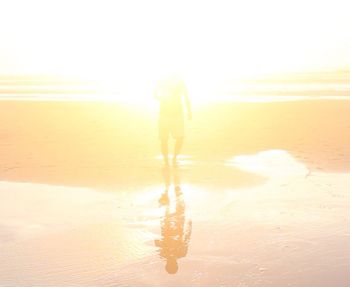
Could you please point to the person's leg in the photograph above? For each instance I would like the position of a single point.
(164, 149)
(164, 136)
(177, 149)
(178, 134)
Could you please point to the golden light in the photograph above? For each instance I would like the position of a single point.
(127, 45)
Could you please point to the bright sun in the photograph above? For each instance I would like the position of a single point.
(128, 45)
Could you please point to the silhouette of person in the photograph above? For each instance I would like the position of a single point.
(175, 229)
(172, 94)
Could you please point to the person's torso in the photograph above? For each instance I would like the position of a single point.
(170, 96)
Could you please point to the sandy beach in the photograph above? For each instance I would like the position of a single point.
(264, 195)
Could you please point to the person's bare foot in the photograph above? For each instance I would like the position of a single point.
(178, 191)
(164, 199)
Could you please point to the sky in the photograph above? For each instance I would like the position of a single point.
(111, 39)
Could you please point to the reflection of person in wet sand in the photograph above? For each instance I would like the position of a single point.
(175, 230)
(172, 95)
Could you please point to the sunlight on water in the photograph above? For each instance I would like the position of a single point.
(183, 160)
(142, 92)
(103, 234)
(269, 163)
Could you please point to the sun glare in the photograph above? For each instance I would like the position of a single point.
(127, 45)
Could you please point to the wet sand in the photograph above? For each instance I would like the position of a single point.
(263, 196)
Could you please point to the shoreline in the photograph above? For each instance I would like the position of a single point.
(113, 98)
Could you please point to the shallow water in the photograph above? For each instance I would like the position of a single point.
(279, 225)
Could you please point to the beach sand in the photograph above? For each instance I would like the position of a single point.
(264, 201)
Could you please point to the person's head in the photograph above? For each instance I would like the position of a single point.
(171, 265)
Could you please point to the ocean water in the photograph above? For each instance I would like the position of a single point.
(61, 89)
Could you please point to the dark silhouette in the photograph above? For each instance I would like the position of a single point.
(172, 95)
(175, 229)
